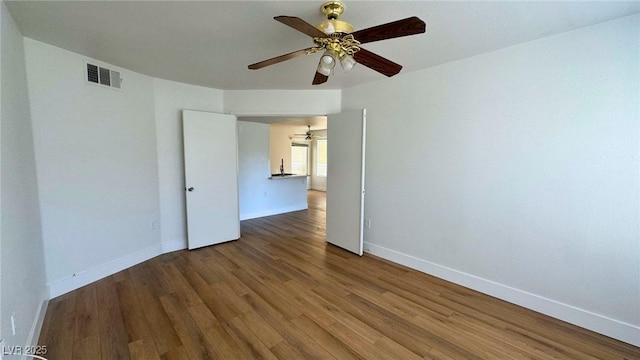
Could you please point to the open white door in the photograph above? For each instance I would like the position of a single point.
(211, 177)
(346, 135)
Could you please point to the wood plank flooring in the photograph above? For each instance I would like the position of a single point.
(280, 292)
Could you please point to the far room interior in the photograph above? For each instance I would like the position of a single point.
(495, 203)
(292, 149)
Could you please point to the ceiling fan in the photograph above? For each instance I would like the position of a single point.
(341, 44)
(307, 136)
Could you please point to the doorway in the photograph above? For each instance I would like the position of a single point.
(340, 160)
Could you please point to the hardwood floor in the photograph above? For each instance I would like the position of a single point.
(280, 292)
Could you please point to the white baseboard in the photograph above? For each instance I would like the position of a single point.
(174, 245)
(83, 278)
(38, 320)
(616, 329)
(276, 211)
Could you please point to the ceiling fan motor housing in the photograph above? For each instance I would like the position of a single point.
(330, 27)
(333, 9)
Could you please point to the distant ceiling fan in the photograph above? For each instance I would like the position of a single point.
(341, 44)
(307, 136)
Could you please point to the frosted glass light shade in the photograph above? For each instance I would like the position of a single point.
(327, 59)
(347, 62)
(326, 65)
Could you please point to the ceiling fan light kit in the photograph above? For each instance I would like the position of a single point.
(341, 44)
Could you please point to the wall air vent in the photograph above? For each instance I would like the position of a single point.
(103, 76)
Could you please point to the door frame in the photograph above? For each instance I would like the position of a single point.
(268, 114)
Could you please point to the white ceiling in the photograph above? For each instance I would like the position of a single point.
(316, 122)
(210, 43)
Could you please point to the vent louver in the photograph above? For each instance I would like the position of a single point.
(103, 76)
(92, 73)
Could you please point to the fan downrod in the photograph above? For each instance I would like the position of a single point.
(332, 9)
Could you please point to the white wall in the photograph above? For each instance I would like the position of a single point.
(22, 275)
(260, 196)
(97, 168)
(516, 173)
(282, 102)
(170, 99)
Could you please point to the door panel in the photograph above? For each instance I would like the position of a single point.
(346, 135)
(211, 177)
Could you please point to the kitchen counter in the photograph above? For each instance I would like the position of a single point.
(280, 177)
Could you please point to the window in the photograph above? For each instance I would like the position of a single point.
(321, 159)
(299, 159)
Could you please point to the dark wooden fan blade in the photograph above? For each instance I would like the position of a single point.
(278, 59)
(377, 62)
(405, 27)
(301, 25)
(319, 79)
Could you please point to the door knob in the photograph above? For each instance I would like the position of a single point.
(190, 189)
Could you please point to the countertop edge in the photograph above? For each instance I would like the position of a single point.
(286, 177)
